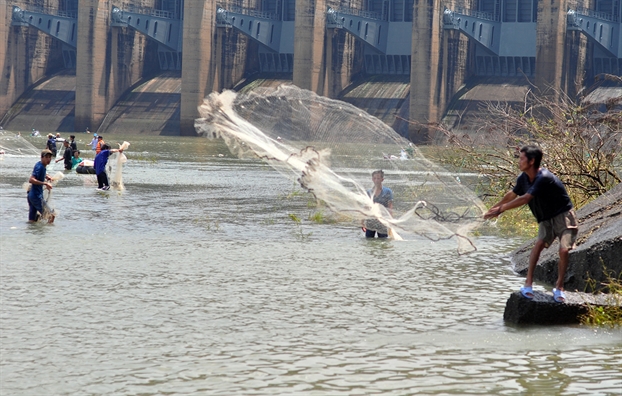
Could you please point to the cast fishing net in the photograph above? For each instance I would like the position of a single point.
(331, 148)
(11, 144)
(49, 210)
(114, 168)
(48, 205)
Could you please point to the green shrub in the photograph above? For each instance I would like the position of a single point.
(581, 144)
(609, 315)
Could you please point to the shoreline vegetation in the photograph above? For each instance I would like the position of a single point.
(611, 315)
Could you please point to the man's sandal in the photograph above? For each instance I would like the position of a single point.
(527, 292)
(559, 296)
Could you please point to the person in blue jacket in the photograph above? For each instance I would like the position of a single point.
(100, 162)
(39, 179)
(550, 204)
(51, 144)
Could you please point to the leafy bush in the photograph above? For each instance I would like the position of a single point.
(610, 315)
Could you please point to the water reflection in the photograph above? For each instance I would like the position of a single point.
(195, 280)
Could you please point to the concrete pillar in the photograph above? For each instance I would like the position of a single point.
(340, 61)
(329, 79)
(197, 64)
(219, 74)
(550, 36)
(576, 64)
(116, 81)
(92, 63)
(20, 68)
(6, 73)
(309, 36)
(425, 74)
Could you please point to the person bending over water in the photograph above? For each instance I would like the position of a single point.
(551, 206)
(383, 196)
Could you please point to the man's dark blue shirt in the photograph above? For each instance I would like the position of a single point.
(550, 197)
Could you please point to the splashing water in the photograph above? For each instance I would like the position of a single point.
(331, 148)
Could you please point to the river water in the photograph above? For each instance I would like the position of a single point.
(198, 280)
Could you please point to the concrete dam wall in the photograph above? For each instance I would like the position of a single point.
(145, 65)
(153, 106)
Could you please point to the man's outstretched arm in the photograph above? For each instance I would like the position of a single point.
(504, 205)
(509, 196)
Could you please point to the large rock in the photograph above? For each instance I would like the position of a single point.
(543, 309)
(598, 252)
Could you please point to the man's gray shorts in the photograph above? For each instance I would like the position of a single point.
(563, 226)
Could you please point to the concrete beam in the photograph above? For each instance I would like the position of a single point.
(61, 27)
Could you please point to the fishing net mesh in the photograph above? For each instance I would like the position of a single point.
(114, 168)
(10, 144)
(49, 210)
(331, 148)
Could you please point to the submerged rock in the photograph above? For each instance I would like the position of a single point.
(598, 252)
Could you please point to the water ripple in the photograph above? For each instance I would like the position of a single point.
(204, 285)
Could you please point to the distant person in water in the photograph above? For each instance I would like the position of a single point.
(93, 143)
(39, 179)
(59, 139)
(383, 196)
(76, 160)
(72, 142)
(51, 144)
(67, 155)
(100, 144)
(551, 206)
(101, 160)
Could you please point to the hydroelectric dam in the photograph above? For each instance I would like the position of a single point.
(143, 66)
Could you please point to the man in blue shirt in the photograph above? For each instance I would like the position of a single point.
(38, 179)
(383, 196)
(99, 164)
(551, 206)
